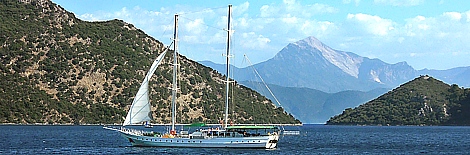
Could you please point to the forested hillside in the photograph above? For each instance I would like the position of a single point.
(422, 101)
(59, 69)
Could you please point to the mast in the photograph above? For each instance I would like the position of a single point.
(228, 66)
(174, 88)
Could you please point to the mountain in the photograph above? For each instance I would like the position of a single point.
(221, 68)
(59, 69)
(458, 75)
(312, 64)
(422, 101)
(314, 106)
(309, 64)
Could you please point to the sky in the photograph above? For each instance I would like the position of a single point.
(432, 34)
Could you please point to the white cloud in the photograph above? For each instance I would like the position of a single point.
(468, 15)
(241, 8)
(289, 2)
(268, 11)
(218, 38)
(399, 2)
(371, 24)
(242, 22)
(423, 27)
(453, 15)
(88, 17)
(195, 26)
(415, 26)
(317, 28)
(289, 19)
(255, 41)
(320, 8)
(356, 2)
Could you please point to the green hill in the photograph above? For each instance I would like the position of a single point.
(59, 69)
(422, 101)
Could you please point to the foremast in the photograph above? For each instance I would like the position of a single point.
(175, 65)
(227, 82)
(174, 89)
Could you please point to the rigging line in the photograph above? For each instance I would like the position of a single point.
(203, 10)
(234, 83)
(232, 96)
(166, 30)
(232, 70)
(251, 65)
(205, 24)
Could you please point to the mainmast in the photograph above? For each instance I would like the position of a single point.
(228, 66)
(174, 89)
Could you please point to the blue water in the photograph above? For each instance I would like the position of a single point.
(314, 139)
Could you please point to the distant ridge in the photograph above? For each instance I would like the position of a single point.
(314, 106)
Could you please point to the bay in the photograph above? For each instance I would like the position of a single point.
(313, 139)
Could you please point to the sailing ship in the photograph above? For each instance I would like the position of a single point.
(226, 136)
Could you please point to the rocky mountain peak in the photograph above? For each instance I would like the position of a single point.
(347, 62)
(311, 42)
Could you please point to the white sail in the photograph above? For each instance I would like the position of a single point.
(140, 108)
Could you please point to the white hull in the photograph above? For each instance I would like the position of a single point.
(266, 142)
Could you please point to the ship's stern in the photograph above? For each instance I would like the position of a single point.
(273, 140)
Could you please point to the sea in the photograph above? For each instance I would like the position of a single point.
(313, 139)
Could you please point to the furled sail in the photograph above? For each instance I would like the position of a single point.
(140, 108)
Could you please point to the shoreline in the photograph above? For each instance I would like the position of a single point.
(71, 124)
